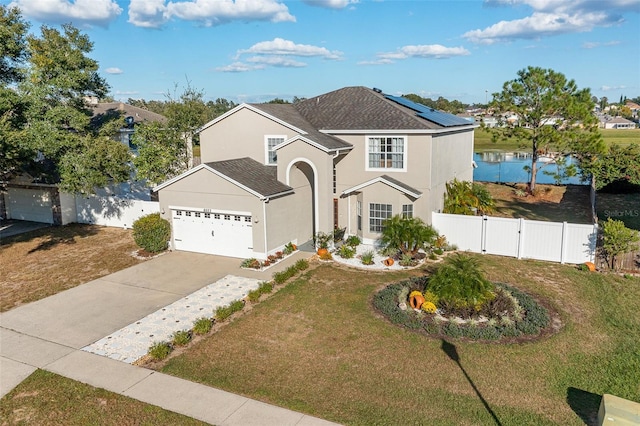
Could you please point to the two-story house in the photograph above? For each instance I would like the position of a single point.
(351, 158)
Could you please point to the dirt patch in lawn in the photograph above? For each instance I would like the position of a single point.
(46, 261)
(551, 203)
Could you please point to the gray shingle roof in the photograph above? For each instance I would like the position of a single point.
(106, 110)
(401, 184)
(252, 174)
(288, 114)
(359, 108)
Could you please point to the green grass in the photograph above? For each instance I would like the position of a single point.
(48, 399)
(483, 141)
(317, 346)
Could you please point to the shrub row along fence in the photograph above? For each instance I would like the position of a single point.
(524, 239)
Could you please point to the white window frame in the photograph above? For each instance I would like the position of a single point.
(388, 207)
(359, 215)
(267, 160)
(407, 211)
(405, 146)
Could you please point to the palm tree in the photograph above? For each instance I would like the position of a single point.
(407, 235)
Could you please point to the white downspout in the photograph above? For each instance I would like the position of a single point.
(264, 224)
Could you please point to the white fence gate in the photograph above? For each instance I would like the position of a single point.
(553, 241)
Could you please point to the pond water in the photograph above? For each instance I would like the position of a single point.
(498, 166)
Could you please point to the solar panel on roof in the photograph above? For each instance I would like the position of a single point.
(442, 118)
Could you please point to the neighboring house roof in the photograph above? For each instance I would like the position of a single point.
(107, 110)
(619, 120)
(247, 173)
(361, 108)
(394, 183)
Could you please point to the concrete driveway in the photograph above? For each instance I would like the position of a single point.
(49, 334)
(11, 227)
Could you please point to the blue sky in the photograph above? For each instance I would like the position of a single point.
(256, 50)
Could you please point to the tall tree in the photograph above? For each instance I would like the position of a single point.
(13, 57)
(552, 114)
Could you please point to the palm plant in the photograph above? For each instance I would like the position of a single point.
(463, 197)
(460, 279)
(407, 235)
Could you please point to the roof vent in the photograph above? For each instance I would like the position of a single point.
(375, 89)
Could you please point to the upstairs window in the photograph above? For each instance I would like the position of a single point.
(386, 153)
(407, 211)
(270, 141)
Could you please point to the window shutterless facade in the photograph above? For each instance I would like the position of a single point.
(270, 141)
(407, 211)
(378, 213)
(387, 153)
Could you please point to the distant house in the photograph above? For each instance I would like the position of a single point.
(278, 173)
(133, 116)
(618, 123)
(634, 107)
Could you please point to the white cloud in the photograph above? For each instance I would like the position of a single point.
(279, 46)
(428, 51)
(594, 44)
(552, 17)
(155, 13)
(240, 67)
(277, 53)
(331, 4)
(113, 70)
(607, 88)
(276, 61)
(148, 13)
(79, 12)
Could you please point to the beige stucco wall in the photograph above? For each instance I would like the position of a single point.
(239, 135)
(452, 158)
(302, 152)
(204, 189)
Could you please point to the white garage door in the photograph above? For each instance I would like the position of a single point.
(221, 233)
(29, 204)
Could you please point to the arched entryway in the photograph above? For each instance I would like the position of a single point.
(302, 176)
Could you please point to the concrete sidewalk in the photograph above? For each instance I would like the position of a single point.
(49, 334)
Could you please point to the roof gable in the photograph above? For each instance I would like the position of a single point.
(388, 180)
(246, 173)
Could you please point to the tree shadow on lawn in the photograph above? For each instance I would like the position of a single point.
(573, 206)
(584, 404)
(52, 236)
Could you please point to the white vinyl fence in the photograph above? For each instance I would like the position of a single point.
(529, 239)
(112, 211)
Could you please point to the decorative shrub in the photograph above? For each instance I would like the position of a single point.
(430, 297)
(151, 233)
(459, 281)
(252, 263)
(254, 295)
(346, 252)
(279, 255)
(160, 350)
(272, 258)
(353, 241)
(224, 312)
(181, 337)
(338, 234)
(301, 264)
(202, 325)
(265, 287)
(367, 257)
(289, 248)
(322, 239)
(266, 263)
(406, 260)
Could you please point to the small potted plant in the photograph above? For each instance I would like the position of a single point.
(322, 240)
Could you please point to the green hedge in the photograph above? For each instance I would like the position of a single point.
(151, 233)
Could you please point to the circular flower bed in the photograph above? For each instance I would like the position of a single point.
(509, 314)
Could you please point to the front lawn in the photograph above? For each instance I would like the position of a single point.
(318, 346)
(46, 261)
(48, 399)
